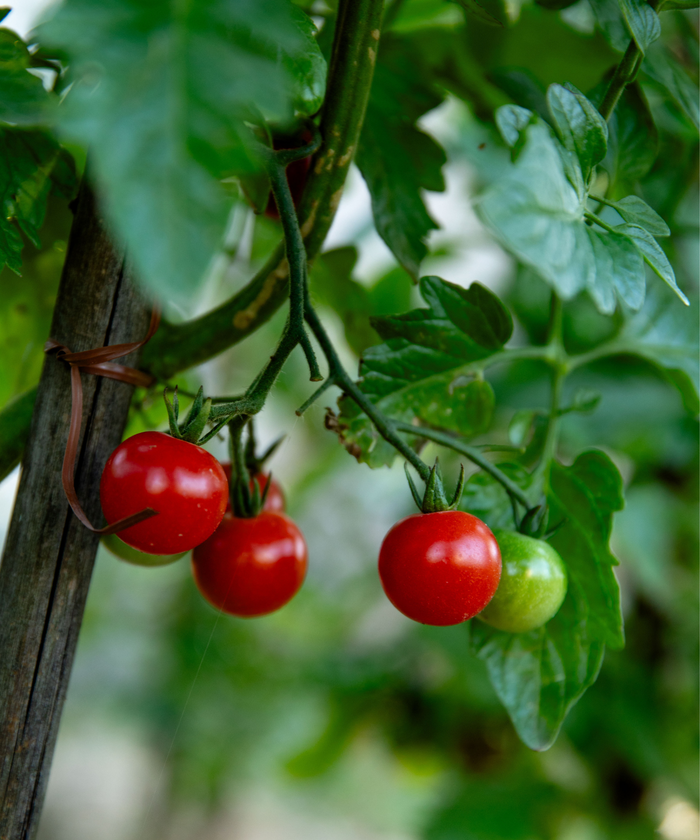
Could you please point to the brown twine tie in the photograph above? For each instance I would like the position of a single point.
(97, 362)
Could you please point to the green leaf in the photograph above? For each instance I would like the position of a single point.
(511, 121)
(539, 675)
(585, 496)
(31, 165)
(162, 94)
(425, 368)
(666, 70)
(642, 21)
(306, 67)
(632, 141)
(581, 129)
(611, 23)
(653, 255)
(22, 95)
(635, 211)
(397, 160)
(538, 216)
(666, 334)
(486, 498)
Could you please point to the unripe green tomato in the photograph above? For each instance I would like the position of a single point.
(132, 555)
(532, 585)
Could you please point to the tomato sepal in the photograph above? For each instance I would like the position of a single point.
(434, 499)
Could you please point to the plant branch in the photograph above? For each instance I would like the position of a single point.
(625, 73)
(386, 427)
(471, 452)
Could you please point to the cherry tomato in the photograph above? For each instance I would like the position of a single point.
(251, 567)
(297, 171)
(532, 587)
(183, 482)
(274, 501)
(440, 568)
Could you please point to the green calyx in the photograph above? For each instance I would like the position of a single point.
(254, 462)
(535, 523)
(246, 499)
(434, 499)
(197, 417)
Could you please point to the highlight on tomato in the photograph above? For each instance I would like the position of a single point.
(251, 566)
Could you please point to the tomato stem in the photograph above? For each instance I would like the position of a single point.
(516, 493)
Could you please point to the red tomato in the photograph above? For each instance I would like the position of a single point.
(297, 171)
(440, 568)
(251, 567)
(180, 480)
(274, 501)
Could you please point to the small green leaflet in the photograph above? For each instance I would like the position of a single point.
(642, 22)
(538, 216)
(164, 127)
(425, 369)
(635, 211)
(611, 22)
(581, 129)
(538, 676)
(397, 160)
(22, 95)
(32, 164)
(654, 257)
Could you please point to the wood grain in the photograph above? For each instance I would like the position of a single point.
(48, 558)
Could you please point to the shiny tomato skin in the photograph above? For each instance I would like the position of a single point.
(274, 501)
(251, 567)
(180, 480)
(532, 588)
(440, 568)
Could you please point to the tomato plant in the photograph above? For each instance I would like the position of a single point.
(251, 567)
(532, 586)
(440, 568)
(545, 342)
(182, 482)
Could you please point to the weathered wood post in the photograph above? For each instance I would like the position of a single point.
(48, 558)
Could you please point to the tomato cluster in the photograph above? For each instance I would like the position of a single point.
(441, 568)
(243, 566)
(446, 567)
